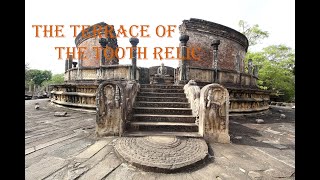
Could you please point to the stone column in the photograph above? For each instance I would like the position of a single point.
(134, 42)
(70, 62)
(250, 65)
(215, 44)
(183, 79)
(103, 42)
(66, 65)
(250, 70)
(30, 87)
(255, 70)
(80, 61)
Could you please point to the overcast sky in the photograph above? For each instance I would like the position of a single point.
(275, 16)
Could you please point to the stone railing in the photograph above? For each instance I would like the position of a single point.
(192, 92)
(210, 106)
(114, 103)
(99, 73)
(242, 100)
(205, 75)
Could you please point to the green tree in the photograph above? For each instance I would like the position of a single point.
(253, 33)
(56, 79)
(36, 76)
(276, 64)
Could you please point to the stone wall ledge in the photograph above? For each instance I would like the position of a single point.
(73, 93)
(74, 104)
(249, 99)
(248, 110)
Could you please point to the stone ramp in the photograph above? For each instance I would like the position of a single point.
(162, 153)
(162, 109)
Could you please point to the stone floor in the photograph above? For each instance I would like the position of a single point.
(66, 148)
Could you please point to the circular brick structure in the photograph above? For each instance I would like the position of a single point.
(161, 153)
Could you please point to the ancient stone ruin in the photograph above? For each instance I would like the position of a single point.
(192, 100)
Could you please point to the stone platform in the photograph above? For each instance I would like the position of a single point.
(66, 148)
(161, 153)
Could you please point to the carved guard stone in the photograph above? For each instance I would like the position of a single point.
(214, 113)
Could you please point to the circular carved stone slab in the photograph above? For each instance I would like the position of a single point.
(166, 153)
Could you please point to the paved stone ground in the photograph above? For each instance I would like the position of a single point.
(66, 148)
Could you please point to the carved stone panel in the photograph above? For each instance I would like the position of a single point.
(109, 109)
(214, 113)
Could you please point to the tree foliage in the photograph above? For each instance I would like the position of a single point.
(276, 63)
(35, 76)
(253, 33)
(276, 69)
(56, 79)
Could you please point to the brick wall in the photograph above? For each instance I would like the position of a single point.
(232, 48)
(91, 53)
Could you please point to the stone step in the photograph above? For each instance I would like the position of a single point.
(161, 133)
(161, 99)
(163, 118)
(161, 86)
(152, 94)
(159, 90)
(162, 126)
(162, 110)
(162, 104)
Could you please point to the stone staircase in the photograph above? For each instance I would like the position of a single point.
(162, 110)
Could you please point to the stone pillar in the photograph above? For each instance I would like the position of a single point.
(103, 42)
(255, 70)
(30, 87)
(70, 62)
(250, 70)
(183, 65)
(250, 65)
(134, 42)
(215, 44)
(66, 65)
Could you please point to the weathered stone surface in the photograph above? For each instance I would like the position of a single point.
(254, 175)
(214, 113)
(161, 152)
(114, 106)
(259, 121)
(60, 114)
(192, 92)
(229, 161)
(44, 168)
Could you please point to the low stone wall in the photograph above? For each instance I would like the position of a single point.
(205, 76)
(103, 73)
(284, 104)
(76, 95)
(243, 100)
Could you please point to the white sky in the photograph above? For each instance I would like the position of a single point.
(275, 16)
